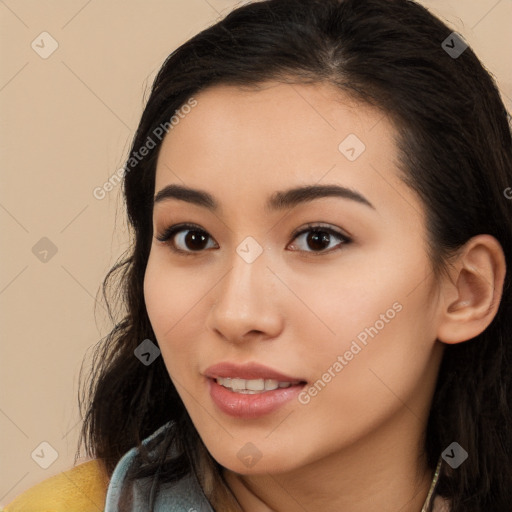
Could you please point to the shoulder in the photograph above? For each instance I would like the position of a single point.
(82, 489)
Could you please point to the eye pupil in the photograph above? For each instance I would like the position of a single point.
(193, 237)
(317, 239)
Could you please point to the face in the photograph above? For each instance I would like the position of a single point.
(326, 295)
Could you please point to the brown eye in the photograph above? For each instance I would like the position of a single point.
(194, 240)
(319, 239)
(185, 238)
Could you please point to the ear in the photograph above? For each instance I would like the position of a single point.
(472, 291)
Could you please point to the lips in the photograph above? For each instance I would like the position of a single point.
(237, 390)
(248, 371)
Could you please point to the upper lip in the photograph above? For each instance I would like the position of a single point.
(248, 371)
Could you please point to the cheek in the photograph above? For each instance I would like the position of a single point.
(344, 302)
(373, 328)
(170, 293)
(171, 303)
(374, 366)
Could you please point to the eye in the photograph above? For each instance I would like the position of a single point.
(189, 237)
(320, 238)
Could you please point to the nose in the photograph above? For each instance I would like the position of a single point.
(246, 302)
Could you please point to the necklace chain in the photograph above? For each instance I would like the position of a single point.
(427, 504)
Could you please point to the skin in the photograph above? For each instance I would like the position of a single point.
(357, 445)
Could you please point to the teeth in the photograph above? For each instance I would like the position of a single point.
(252, 386)
(273, 384)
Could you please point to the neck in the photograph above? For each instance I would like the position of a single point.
(371, 474)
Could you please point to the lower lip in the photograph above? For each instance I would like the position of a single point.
(242, 405)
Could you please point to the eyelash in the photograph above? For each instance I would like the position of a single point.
(168, 233)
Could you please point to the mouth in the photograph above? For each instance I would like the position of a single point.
(254, 386)
(251, 390)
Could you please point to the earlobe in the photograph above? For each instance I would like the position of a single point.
(472, 292)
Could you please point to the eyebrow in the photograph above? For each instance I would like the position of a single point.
(280, 200)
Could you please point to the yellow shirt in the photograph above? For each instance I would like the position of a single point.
(80, 489)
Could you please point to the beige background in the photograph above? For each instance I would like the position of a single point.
(66, 125)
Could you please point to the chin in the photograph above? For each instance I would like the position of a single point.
(248, 461)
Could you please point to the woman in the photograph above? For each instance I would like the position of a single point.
(318, 307)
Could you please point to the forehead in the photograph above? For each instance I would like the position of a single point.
(240, 142)
(280, 117)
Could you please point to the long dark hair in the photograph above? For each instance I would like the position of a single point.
(454, 142)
